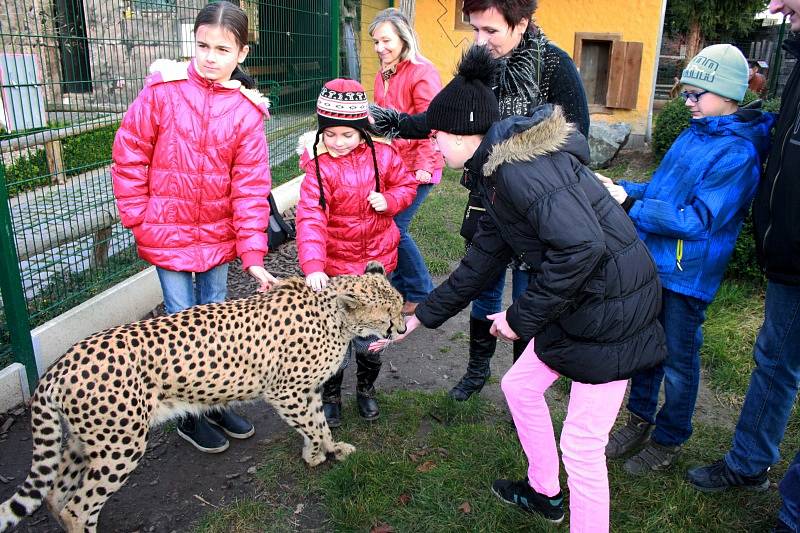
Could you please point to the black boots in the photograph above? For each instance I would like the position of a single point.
(332, 399)
(369, 365)
(481, 349)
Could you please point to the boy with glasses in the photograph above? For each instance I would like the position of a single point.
(689, 216)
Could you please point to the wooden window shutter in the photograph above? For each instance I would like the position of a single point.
(623, 74)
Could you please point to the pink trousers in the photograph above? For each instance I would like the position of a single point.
(590, 417)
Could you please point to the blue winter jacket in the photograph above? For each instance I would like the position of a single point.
(691, 212)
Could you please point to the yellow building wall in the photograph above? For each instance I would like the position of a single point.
(635, 20)
(369, 59)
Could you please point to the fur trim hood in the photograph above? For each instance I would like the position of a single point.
(518, 139)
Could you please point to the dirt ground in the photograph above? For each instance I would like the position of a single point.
(175, 485)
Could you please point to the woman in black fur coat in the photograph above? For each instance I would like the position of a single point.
(533, 71)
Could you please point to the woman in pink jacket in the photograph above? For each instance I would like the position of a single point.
(407, 82)
(191, 177)
(352, 189)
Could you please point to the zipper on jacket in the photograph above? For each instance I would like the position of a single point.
(777, 176)
(679, 254)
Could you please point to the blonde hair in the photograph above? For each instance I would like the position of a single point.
(403, 29)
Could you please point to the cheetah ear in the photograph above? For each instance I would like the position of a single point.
(347, 302)
(374, 267)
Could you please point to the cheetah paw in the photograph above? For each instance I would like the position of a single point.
(314, 460)
(342, 450)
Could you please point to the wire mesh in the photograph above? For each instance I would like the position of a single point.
(68, 71)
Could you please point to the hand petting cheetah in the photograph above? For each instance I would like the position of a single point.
(110, 388)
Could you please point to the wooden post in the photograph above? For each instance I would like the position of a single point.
(102, 242)
(55, 162)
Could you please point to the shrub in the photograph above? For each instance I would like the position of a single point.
(80, 153)
(743, 264)
(671, 121)
(89, 150)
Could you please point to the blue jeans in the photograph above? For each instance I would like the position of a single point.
(490, 300)
(682, 318)
(790, 492)
(773, 384)
(181, 291)
(411, 278)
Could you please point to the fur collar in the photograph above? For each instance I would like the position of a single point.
(167, 70)
(546, 136)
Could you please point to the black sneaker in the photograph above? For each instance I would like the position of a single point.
(521, 494)
(232, 424)
(199, 433)
(718, 476)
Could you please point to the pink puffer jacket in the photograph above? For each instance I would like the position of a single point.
(410, 90)
(191, 171)
(349, 233)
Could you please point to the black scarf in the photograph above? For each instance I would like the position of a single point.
(519, 84)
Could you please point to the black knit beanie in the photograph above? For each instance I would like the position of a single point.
(467, 105)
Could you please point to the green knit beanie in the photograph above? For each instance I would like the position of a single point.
(720, 69)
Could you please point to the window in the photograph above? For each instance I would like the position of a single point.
(462, 20)
(610, 70)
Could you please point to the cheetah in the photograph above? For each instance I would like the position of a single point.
(111, 388)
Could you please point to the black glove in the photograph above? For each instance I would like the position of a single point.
(390, 123)
(386, 121)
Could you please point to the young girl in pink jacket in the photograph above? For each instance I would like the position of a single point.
(191, 177)
(352, 189)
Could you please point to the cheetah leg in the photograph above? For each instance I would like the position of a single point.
(107, 470)
(295, 412)
(71, 470)
(340, 449)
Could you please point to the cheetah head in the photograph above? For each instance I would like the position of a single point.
(371, 305)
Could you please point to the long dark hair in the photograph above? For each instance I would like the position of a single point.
(233, 19)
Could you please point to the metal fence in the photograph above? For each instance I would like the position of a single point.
(68, 70)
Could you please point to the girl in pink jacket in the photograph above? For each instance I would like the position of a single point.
(352, 189)
(191, 177)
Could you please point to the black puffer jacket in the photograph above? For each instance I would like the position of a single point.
(594, 295)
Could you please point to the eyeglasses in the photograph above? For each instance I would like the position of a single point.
(692, 97)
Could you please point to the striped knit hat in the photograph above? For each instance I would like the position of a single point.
(343, 103)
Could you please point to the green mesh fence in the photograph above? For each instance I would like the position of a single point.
(68, 71)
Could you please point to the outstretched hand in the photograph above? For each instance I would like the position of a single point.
(412, 323)
(616, 191)
(500, 327)
(265, 279)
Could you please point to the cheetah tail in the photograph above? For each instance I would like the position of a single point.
(46, 433)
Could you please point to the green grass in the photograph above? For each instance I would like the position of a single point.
(286, 171)
(730, 331)
(435, 226)
(428, 456)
